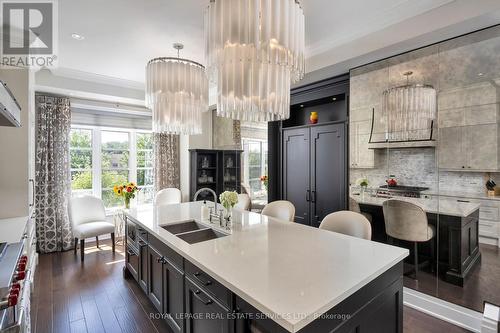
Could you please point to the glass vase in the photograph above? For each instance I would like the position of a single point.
(228, 213)
(127, 203)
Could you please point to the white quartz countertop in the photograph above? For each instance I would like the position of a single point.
(12, 229)
(289, 271)
(435, 205)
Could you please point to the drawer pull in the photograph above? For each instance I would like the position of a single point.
(141, 243)
(205, 283)
(462, 200)
(131, 253)
(206, 302)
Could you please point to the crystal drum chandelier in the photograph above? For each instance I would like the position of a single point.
(410, 111)
(176, 93)
(254, 51)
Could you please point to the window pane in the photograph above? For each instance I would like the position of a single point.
(112, 159)
(144, 141)
(80, 138)
(254, 159)
(115, 140)
(81, 180)
(145, 159)
(81, 193)
(111, 178)
(254, 172)
(110, 199)
(81, 159)
(145, 195)
(255, 185)
(144, 177)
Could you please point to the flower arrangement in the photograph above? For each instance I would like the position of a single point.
(265, 181)
(127, 191)
(228, 199)
(363, 182)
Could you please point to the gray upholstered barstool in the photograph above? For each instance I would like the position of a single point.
(348, 223)
(407, 221)
(244, 202)
(354, 207)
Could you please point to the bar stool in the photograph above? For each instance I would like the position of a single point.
(348, 223)
(281, 209)
(407, 221)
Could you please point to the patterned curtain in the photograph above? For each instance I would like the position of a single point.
(166, 157)
(52, 173)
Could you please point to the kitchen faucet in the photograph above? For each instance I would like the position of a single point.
(214, 214)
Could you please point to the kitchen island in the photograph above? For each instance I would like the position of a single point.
(262, 275)
(456, 223)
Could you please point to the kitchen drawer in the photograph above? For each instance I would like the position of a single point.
(142, 233)
(173, 257)
(208, 284)
(488, 213)
(488, 229)
(132, 261)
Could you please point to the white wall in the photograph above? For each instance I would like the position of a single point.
(201, 141)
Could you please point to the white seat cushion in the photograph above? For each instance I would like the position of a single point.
(92, 229)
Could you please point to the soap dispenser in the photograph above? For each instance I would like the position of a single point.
(205, 212)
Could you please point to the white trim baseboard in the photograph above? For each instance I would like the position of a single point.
(449, 312)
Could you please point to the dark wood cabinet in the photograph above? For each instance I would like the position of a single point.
(132, 261)
(296, 169)
(155, 278)
(173, 296)
(314, 171)
(143, 265)
(205, 313)
(219, 170)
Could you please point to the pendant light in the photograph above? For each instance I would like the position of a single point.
(410, 110)
(176, 93)
(254, 51)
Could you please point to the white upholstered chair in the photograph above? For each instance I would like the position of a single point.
(281, 209)
(168, 196)
(88, 219)
(407, 221)
(348, 223)
(244, 202)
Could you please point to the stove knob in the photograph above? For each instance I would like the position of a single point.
(24, 257)
(14, 292)
(20, 276)
(12, 300)
(15, 286)
(21, 267)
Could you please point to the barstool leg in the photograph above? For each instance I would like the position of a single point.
(416, 260)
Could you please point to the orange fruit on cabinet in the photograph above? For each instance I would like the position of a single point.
(313, 118)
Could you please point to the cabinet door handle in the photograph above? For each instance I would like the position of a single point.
(313, 196)
(130, 252)
(308, 195)
(197, 295)
(159, 260)
(205, 283)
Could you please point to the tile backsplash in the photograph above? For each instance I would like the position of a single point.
(418, 167)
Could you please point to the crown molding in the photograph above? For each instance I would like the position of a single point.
(97, 78)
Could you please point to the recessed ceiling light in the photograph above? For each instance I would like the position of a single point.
(76, 36)
(301, 105)
(480, 74)
(334, 99)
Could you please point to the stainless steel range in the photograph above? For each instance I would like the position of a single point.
(14, 290)
(400, 191)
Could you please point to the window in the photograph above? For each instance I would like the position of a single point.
(144, 149)
(81, 161)
(255, 165)
(102, 158)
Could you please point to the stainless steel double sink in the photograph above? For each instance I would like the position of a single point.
(193, 232)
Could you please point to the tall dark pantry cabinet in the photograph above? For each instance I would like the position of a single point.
(308, 163)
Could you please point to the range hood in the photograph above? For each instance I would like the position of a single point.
(10, 111)
(407, 118)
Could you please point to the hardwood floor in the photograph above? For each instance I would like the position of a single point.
(481, 285)
(93, 296)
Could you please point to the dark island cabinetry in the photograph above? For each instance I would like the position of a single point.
(191, 301)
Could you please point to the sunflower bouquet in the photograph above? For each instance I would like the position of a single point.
(127, 191)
